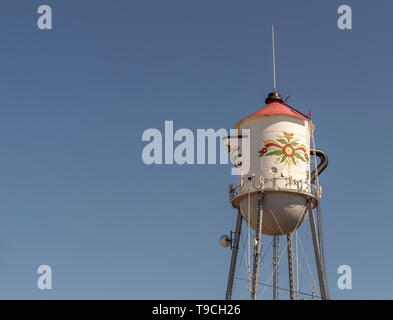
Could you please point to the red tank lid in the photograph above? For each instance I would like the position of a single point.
(276, 108)
(275, 105)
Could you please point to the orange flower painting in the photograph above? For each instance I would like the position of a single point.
(287, 148)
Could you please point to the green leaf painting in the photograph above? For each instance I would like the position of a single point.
(287, 147)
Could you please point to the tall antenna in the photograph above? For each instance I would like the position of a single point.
(274, 61)
(273, 96)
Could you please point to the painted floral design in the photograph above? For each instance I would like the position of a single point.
(235, 155)
(287, 148)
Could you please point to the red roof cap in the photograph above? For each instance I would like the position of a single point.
(277, 108)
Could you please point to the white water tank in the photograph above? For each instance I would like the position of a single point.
(279, 161)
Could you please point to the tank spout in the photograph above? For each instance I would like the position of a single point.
(322, 164)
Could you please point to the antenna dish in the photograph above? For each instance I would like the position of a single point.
(225, 241)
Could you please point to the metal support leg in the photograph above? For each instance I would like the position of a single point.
(257, 249)
(317, 253)
(275, 267)
(290, 267)
(235, 249)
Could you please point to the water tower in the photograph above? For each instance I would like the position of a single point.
(279, 191)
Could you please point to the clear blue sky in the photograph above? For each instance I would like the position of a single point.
(74, 102)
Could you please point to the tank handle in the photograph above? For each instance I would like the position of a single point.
(322, 164)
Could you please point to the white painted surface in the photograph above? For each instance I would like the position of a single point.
(285, 184)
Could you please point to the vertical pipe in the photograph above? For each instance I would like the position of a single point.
(232, 268)
(257, 249)
(275, 268)
(297, 266)
(290, 267)
(317, 253)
